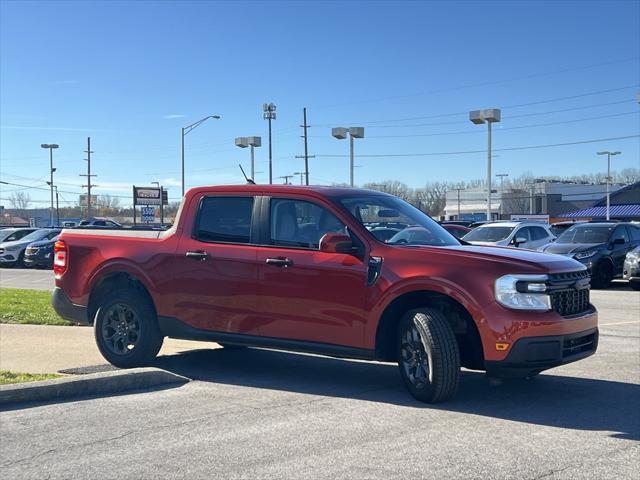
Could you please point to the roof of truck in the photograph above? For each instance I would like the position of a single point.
(330, 191)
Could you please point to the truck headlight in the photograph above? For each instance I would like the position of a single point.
(523, 292)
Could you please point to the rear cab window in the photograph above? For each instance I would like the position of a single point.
(223, 219)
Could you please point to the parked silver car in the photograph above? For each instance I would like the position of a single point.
(12, 252)
(511, 234)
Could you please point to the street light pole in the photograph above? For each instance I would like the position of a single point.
(488, 116)
(186, 130)
(269, 113)
(50, 146)
(609, 155)
(352, 132)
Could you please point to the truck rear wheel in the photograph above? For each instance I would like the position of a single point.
(126, 329)
(428, 356)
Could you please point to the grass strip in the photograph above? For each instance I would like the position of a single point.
(28, 307)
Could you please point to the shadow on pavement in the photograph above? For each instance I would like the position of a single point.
(564, 402)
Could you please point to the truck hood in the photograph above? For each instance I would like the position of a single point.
(516, 260)
(570, 248)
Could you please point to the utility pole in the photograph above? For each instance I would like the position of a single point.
(88, 151)
(286, 178)
(458, 190)
(301, 176)
(501, 176)
(306, 149)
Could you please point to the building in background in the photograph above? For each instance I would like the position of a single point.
(624, 205)
(542, 197)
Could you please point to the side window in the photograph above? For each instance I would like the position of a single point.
(620, 232)
(297, 223)
(52, 235)
(538, 233)
(524, 233)
(634, 233)
(225, 219)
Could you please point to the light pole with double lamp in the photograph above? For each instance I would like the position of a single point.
(244, 142)
(488, 116)
(269, 113)
(51, 147)
(186, 130)
(609, 155)
(353, 132)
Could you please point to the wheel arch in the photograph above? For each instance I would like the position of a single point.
(459, 318)
(112, 280)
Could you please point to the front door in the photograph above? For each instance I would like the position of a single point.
(216, 270)
(306, 294)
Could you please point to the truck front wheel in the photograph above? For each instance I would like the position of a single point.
(428, 355)
(126, 329)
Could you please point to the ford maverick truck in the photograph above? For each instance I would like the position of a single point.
(301, 268)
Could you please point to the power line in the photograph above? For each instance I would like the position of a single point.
(529, 147)
(535, 125)
(505, 107)
(483, 84)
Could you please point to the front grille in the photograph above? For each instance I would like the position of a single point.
(573, 346)
(1, 251)
(569, 292)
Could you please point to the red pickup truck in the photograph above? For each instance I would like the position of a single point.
(300, 268)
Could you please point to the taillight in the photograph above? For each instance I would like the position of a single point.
(60, 261)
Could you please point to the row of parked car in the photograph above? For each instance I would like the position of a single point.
(27, 247)
(608, 249)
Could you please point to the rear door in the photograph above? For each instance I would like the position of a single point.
(215, 268)
(306, 294)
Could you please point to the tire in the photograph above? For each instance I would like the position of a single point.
(126, 329)
(20, 262)
(428, 356)
(229, 346)
(603, 275)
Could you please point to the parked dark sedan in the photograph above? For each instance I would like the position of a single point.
(601, 247)
(457, 231)
(40, 254)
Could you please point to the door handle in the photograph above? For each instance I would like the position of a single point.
(197, 255)
(279, 262)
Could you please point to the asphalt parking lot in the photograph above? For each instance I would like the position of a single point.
(34, 279)
(263, 414)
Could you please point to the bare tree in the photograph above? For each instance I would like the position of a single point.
(20, 200)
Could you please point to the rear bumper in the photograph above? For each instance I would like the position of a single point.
(530, 355)
(68, 310)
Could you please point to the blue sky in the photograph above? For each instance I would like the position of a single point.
(131, 74)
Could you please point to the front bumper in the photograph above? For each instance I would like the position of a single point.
(38, 260)
(68, 310)
(531, 355)
(9, 258)
(631, 271)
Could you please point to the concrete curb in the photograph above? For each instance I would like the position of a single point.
(91, 384)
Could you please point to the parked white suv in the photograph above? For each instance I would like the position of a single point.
(511, 234)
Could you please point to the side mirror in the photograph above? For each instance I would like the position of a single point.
(336, 243)
(517, 241)
(619, 241)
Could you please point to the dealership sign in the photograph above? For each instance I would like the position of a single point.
(149, 196)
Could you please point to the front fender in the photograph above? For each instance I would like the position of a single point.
(421, 284)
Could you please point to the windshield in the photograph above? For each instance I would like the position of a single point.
(585, 234)
(391, 213)
(37, 235)
(488, 234)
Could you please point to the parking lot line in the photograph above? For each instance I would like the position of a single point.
(620, 323)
